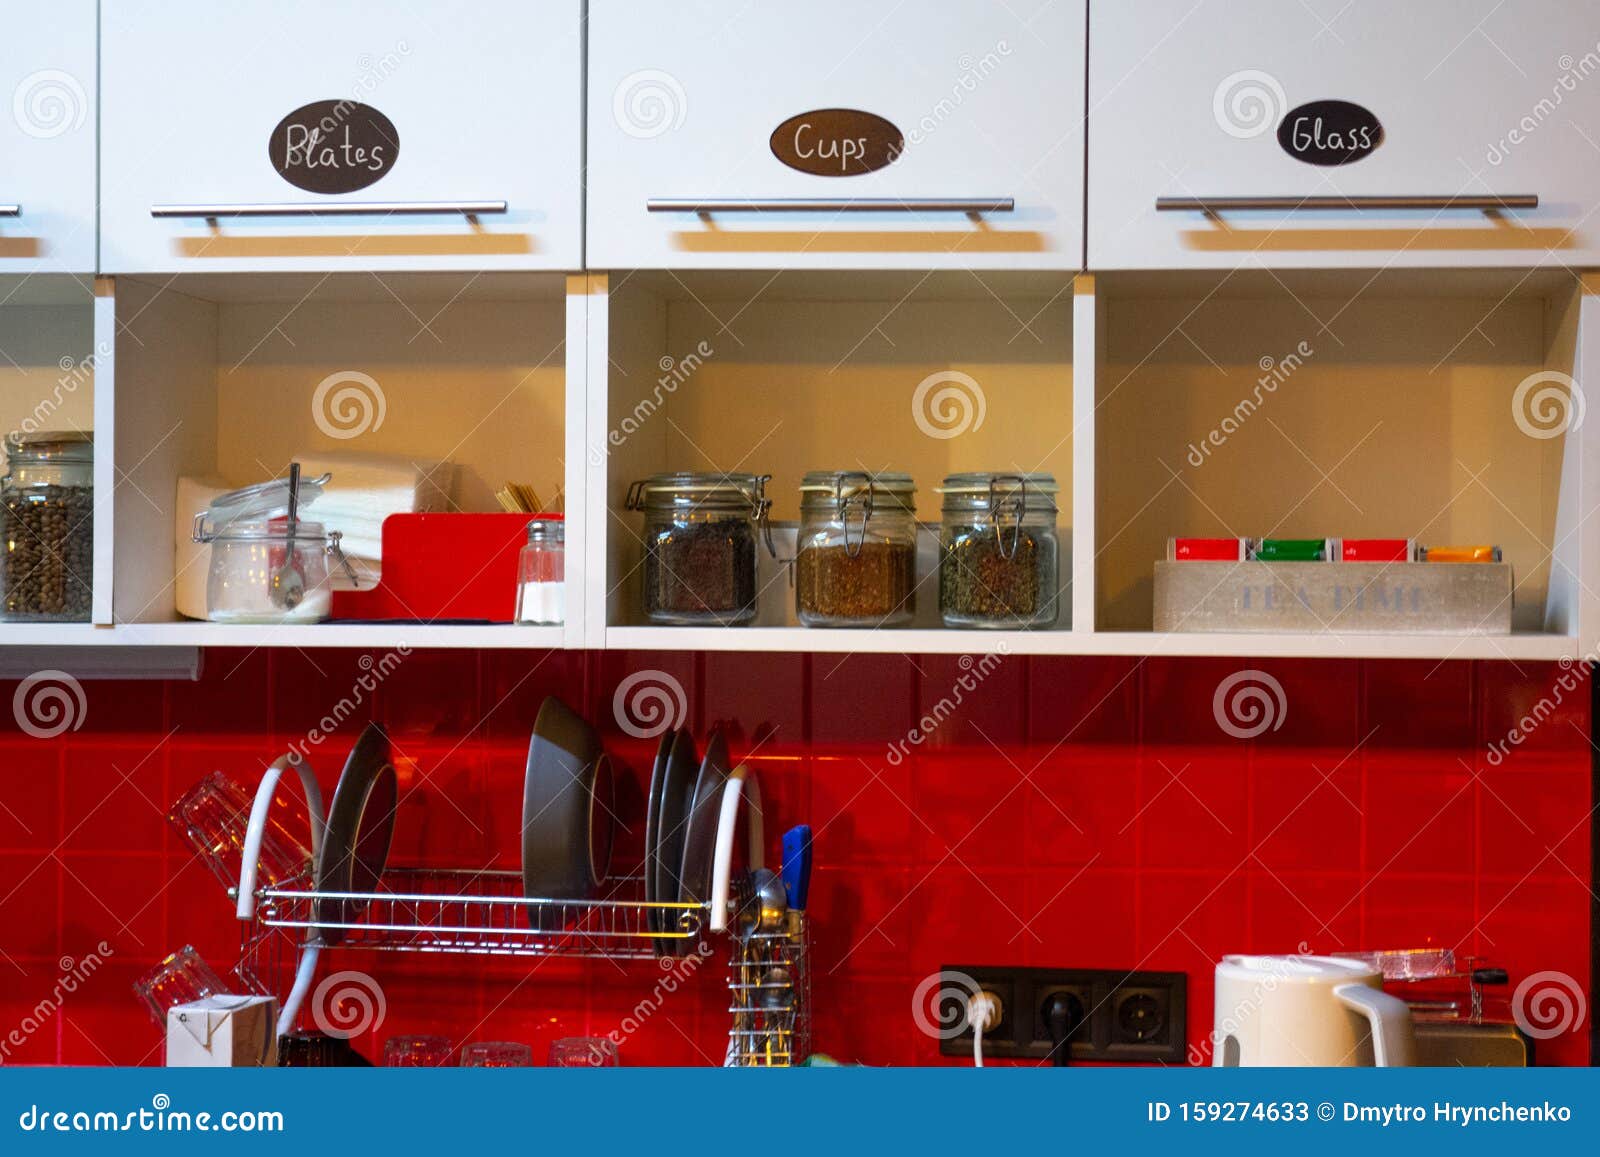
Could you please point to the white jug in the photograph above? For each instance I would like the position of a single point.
(1307, 1011)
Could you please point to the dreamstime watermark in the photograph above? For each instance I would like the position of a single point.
(49, 103)
(1274, 372)
(347, 404)
(348, 1004)
(1248, 103)
(973, 673)
(1548, 1004)
(939, 1004)
(49, 703)
(1231, 1022)
(947, 404)
(160, 1117)
(676, 973)
(75, 374)
(374, 70)
(647, 703)
(73, 975)
(1573, 73)
(970, 77)
(649, 103)
(1573, 677)
(1547, 404)
(1249, 703)
(674, 373)
(373, 673)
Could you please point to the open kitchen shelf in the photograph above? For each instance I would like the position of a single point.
(781, 372)
(1340, 404)
(593, 381)
(220, 376)
(47, 383)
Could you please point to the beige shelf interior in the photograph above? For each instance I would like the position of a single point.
(1378, 407)
(785, 373)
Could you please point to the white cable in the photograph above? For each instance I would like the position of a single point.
(983, 1011)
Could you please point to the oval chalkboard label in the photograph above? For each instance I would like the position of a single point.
(333, 146)
(837, 142)
(1329, 132)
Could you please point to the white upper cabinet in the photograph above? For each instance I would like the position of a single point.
(1428, 132)
(305, 135)
(836, 134)
(47, 143)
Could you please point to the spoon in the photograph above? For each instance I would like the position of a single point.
(288, 583)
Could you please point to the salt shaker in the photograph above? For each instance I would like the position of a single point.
(541, 574)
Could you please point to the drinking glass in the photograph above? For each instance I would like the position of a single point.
(214, 816)
(496, 1054)
(584, 1052)
(180, 978)
(417, 1052)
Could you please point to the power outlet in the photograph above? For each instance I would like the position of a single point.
(1080, 1001)
(1119, 1016)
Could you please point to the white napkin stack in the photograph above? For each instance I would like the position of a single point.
(367, 488)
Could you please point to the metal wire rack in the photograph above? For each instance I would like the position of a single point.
(769, 983)
(480, 913)
(485, 913)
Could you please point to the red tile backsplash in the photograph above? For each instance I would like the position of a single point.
(1031, 811)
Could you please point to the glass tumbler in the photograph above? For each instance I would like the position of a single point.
(584, 1052)
(417, 1052)
(496, 1054)
(180, 978)
(213, 816)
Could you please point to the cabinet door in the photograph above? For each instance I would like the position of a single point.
(1378, 133)
(836, 134)
(364, 134)
(47, 75)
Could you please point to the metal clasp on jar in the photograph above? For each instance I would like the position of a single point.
(761, 510)
(860, 499)
(1014, 505)
(336, 552)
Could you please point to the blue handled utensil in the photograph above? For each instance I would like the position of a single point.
(797, 865)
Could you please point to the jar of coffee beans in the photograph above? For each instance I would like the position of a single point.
(856, 564)
(48, 494)
(999, 553)
(700, 534)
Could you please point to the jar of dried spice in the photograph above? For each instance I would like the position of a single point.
(700, 545)
(856, 564)
(999, 554)
(48, 495)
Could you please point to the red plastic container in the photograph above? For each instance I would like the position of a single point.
(443, 568)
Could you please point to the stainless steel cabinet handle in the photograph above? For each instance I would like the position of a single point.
(831, 205)
(1224, 204)
(329, 209)
(10, 210)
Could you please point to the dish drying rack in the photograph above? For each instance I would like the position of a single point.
(287, 925)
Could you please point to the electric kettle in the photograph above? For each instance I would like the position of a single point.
(1313, 1011)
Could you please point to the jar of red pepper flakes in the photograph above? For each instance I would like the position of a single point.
(856, 564)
